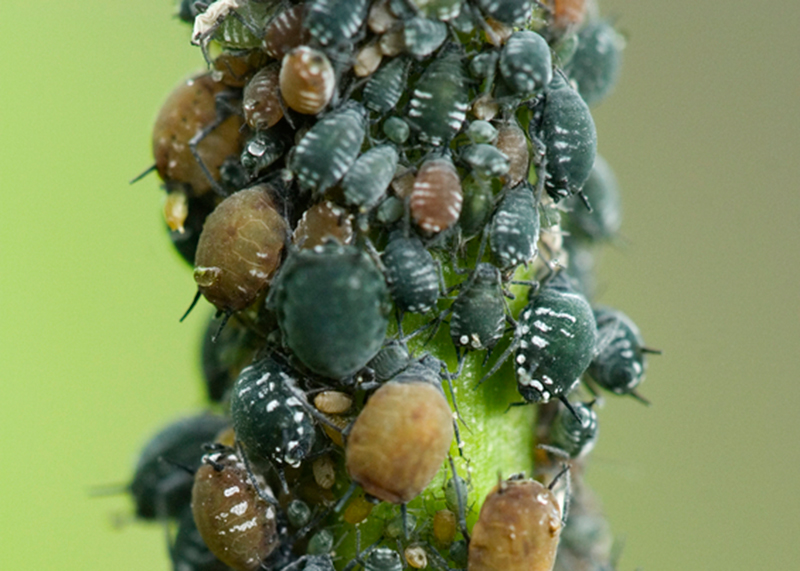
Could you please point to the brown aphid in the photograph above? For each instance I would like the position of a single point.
(368, 59)
(239, 249)
(403, 182)
(324, 470)
(517, 529)
(307, 80)
(399, 440)
(235, 522)
(234, 69)
(444, 527)
(380, 17)
(176, 210)
(285, 32)
(485, 107)
(497, 33)
(333, 402)
(189, 109)
(511, 140)
(568, 13)
(436, 197)
(261, 100)
(392, 43)
(322, 222)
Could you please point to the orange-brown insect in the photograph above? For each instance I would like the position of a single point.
(261, 101)
(321, 222)
(285, 32)
(511, 140)
(236, 523)
(568, 13)
(436, 197)
(307, 80)
(234, 69)
(517, 529)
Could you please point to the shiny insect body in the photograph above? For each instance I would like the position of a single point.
(525, 64)
(423, 36)
(333, 22)
(436, 196)
(601, 189)
(285, 32)
(307, 80)
(485, 160)
(596, 64)
(367, 180)
(481, 132)
(479, 312)
(385, 87)
(323, 222)
(412, 273)
(261, 100)
(444, 10)
(262, 150)
(575, 432)
(515, 226)
(396, 130)
(509, 12)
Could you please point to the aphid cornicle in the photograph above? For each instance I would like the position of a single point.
(479, 312)
(401, 437)
(597, 61)
(525, 63)
(574, 432)
(332, 22)
(307, 80)
(436, 196)
(161, 485)
(515, 227)
(367, 180)
(602, 191)
(385, 87)
(517, 529)
(268, 416)
(239, 249)
(332, 306)
(236, 523)
(329, 148)
(261, 100)
(411, 272)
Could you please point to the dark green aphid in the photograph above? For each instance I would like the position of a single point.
(224, 354)
(575, 432)
(459, 552)
(568, 133)
(477, 207)
(390, 361)
(298, 513)
(443, 10)
(479, 312)
(262, 150)
(230, 32)
(525, 63)
(487, 161)
(423, 36)
(620, 363)
(483, 65)
(509, 12)
(602, 191)
(396, 129)
(332, 306)
(440, 100)
(268, 416)
(385, 87)
(188, 551)
(514, 230)
(329, 148)
(321, 543)
(481, 132)
(411, 272)
(390, 210)
(333, 22)
(369, 177)
(162, 486)
(595, 65)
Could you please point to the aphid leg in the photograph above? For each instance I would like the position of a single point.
(252, 478)
(344, 499)
(502, 359)
(404, 516)
(554, 450)
(191, 306)
(462, 508)
(143, 174)
(565, 473)
(437, 559)
(222, 115)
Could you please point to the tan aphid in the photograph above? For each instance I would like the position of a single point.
(285, 32)
(368, 59)
(399, 440)
(307, 80)
(236, 524)
(497, 33)
(437, 196)
(333, 402)
(322, 222)
(324, 470)
(511, 140)
(403, 182)
(392, 43)
(485, 107)
(176, 210)
(416, 556)
(380, 17)
(357, 510)
(444, 527)
(517, 529)
(261, 100)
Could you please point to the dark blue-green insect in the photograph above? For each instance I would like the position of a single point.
(440, 100)
(385, 87)
(224, 354)
(479, 312)
(443, 10)
(620, 363)
(188, 551)
(396, 129)
(574, 432)
(269, 418)
(162, 482)
(411, 272)
(298, 513)
(514, 230)
(554, 341)
(262, 150)
(423, 36)
(334, 22)
(564, 125)
(602, 191)
(487, 161)
(390, 361)
(332, 306)
(525, 64)
(367, 180)
(509, 12)
(477, 206)
(483, 65)
(595, 65)
(329, 148)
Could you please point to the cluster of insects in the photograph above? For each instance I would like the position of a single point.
(348, 180)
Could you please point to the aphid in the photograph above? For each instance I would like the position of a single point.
(487, 161)
(322, 222)
(367, 180)
(509, 12)
(392, 43)
(485, 107)
(568, 133)
(422, 36)
(380, 18)
(243, 31)
(236, 68)
(380, 559)
(261, 100)
(329, 148)
(443, 10)
(481, 132)
(385, 87)
(477, 207)
(332, 307)
(285, 32)
(513, 143)
(334, 21)
(269, 416)
(176, 210)
(161, 485)
(262, 150)
(191, 109)
(479, 312)
(515, 227)
(517, 529)
(298, 513)
(324, 471)
(321, 543)
(596, 64)
(396, 129)
(497, 33)
(390, 361)
(568, 13)
(620, 363)
(399, 526)
(223, 355)
(444, 527)
(188, 551)
(307, 80)
(411, 272)
(525, 63)
(333, 402)
(574, 432)
(185, 242)
(236, 522)
(436, 197)
(602, 191)
(483, 65)
(416, 556)
(401, 437)
(367, 60)
(239, 249)
(440, 100)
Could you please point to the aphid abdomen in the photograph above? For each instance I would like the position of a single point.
(436, 197)
(334, 21)
(411, 273)
(515, 227)
(367, 180)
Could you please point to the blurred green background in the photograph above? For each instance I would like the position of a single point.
(703, 133)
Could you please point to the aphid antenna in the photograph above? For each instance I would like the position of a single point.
(448, 377)
(191, 306)
(635, 394)
(570, 408)
(251, 477)
(564, 473)
(226, 315)
(462, 509)
(143, 174)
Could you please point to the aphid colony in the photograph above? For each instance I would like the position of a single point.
(349, 180)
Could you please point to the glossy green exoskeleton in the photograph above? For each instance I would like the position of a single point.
(595, 65)
(575, 433)
(333, 22)
(385, 87)
(332, 306)
(298, 513)
(268, 416)
(487, 161)
(423, 36)
(329, 148)
(440, 100)
(262, 150)
(481, 132)
(367, 180)
(525, 64)
(396, 129)
(162, 486)
(602, 191)
(515, 227)
(188, 551)
(411, 272)
(509, 12)
(479, 312)
(620, 363)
